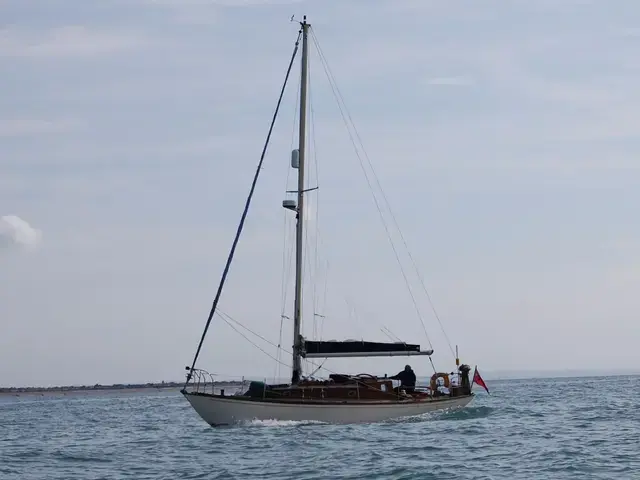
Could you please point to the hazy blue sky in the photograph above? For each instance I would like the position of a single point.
(505, 135)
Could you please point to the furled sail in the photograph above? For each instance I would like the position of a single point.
(359, 348)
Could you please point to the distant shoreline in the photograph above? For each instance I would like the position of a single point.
(130, 387)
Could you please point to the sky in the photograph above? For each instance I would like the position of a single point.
(505, 136)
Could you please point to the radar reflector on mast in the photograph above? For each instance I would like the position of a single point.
(290, 204)
(295, 158)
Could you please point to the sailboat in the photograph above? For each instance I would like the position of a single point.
(340, 398)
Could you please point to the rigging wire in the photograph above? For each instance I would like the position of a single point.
(286, 262)
(247, 338)
(324, 297)
(313, 208)
(316, 204)
(226, 317)
(366, 175)
(314, 145)
(244, 212)
(337, 93)
(306, 261)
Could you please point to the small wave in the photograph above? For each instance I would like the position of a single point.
(80, 458)
(419, 448)
(536, 414)
(469, 413)
(24, 455)
(150, 428)
(8, 471)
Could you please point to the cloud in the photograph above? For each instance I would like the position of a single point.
(65, 41)
(207, 12)
(450, 81)
(20, 127)
(16, 232)
(222, 3)
(628, 32)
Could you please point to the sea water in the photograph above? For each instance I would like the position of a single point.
(578, 428)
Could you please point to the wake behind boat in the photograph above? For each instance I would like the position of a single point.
(340, 398)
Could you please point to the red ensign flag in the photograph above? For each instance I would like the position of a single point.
(478, 379)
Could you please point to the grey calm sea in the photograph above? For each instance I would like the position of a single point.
(568, 428)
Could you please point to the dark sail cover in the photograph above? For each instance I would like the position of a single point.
(356, 346)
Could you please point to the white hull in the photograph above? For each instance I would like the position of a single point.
(216, 410)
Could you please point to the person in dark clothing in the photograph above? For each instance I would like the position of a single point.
(407, 380)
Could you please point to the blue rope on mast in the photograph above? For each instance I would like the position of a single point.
(244, 215)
